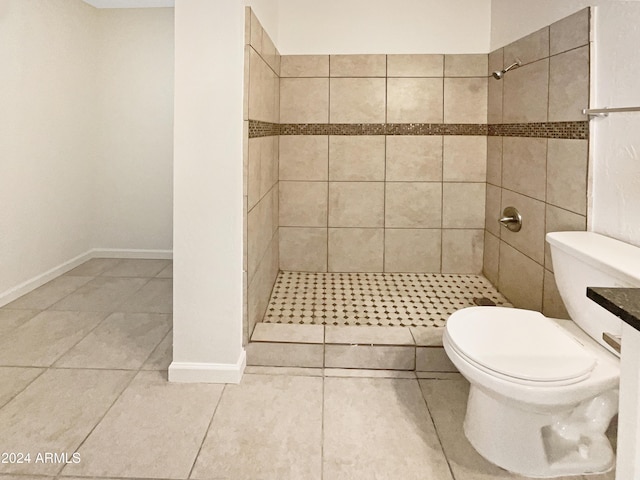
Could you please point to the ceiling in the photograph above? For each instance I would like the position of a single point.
(130, 3)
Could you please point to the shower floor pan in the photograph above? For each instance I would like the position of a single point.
(384, 321)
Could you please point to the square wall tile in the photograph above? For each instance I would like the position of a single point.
(255, 34)
(358, 65)
(570, 32)
(552, 304)
(465, 100)
(520, 278)
(356, 249)
(412, 250)
(303, 249)
(526, 90)
(491, 257)
(413, 205)
(462, 251)
(269, 53)
(494, 160)
(414, 158)
(268, 163)
(463, 205)
(524, 163)
(494, 102)
(263, 90)
(466, 65)
(493, 210)
(569, 85)
(303, 204)
(416, 100)
(304, 100)
(567, 165)
(560, 220)
(530, 239)
(528, 49)
(259, 233)
(252, 174)
(356, 204)
(357, 100)
(304, 66)
(356, 158)
(419, 65)
(465, 158)
(304, 157)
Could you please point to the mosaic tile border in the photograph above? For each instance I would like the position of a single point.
(578, 130)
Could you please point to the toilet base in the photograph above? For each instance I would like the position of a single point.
(570, 441)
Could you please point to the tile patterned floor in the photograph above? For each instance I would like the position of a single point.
(92, 381)
(382, 299)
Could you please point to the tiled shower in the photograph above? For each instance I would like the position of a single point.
(399, 166)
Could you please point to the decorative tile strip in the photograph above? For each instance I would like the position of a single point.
(570, 130)
(263, 129)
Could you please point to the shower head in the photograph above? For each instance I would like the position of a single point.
(498, 74)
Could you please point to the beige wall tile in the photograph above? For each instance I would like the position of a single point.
(463, 205)
(254, 155)
(465, 100)
(268, 164)
(358, 158)
(304, 157)
(303, 204)
(413, 205)
(570, 32)
(259, 233)
(427, 336)
(569, 85)
(491, 257)
(494, 160)
(559, 220)
(356, 249)
(414, 100)
(357, 100)
(525, 92)
(285, 354)
(304, 66)
(412, 250)
(466, 65)
(263, 90)
(465, 158)
(528, 49)
(304, 100)
(358, 65)
(520, 279)
(433, 359)
(567, 174)
(493, 210)
(282, 332)
(419, 65)
(255, 37)
(269, 52)
(524, 165)
(373, 357)
(530, 239)
(370, 335)
(462, 251)
(356, 204)
(494, 102)
(552, 304)
(303, 249)
(416, 158)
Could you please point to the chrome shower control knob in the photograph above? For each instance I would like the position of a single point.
(511, 219)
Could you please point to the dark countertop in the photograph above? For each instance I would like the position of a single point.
(622, 302)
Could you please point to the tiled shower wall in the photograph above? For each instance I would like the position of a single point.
(261, 263)
(544, 178)
(382, 163)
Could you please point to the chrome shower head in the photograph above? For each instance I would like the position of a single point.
(498, 74)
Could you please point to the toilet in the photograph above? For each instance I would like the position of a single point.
(543, 390)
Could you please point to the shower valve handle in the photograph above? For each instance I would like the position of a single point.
(511, 219)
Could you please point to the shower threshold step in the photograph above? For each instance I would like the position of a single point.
(360, 347)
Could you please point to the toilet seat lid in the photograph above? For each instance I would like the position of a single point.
(522, 344)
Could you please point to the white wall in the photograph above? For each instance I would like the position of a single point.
(207, 298)
(381, 26)
(134, 169)
(47, 135)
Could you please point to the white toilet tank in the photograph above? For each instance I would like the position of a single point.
(587, 259)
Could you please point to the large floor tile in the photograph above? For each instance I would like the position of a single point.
(94, 267)
(122, 340)
(268, 428)
(101, 294)
(155, 297)
(166, 272)
(46, 337)
(55, 414)
(43, 297)
(154, 430)
(13, 380)
(12, 319)
(162, 356)
(136, 268)
(379, 428)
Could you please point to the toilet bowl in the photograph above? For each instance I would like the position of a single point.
(542, 390)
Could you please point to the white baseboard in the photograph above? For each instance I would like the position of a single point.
(27, 286)
(187, 372)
